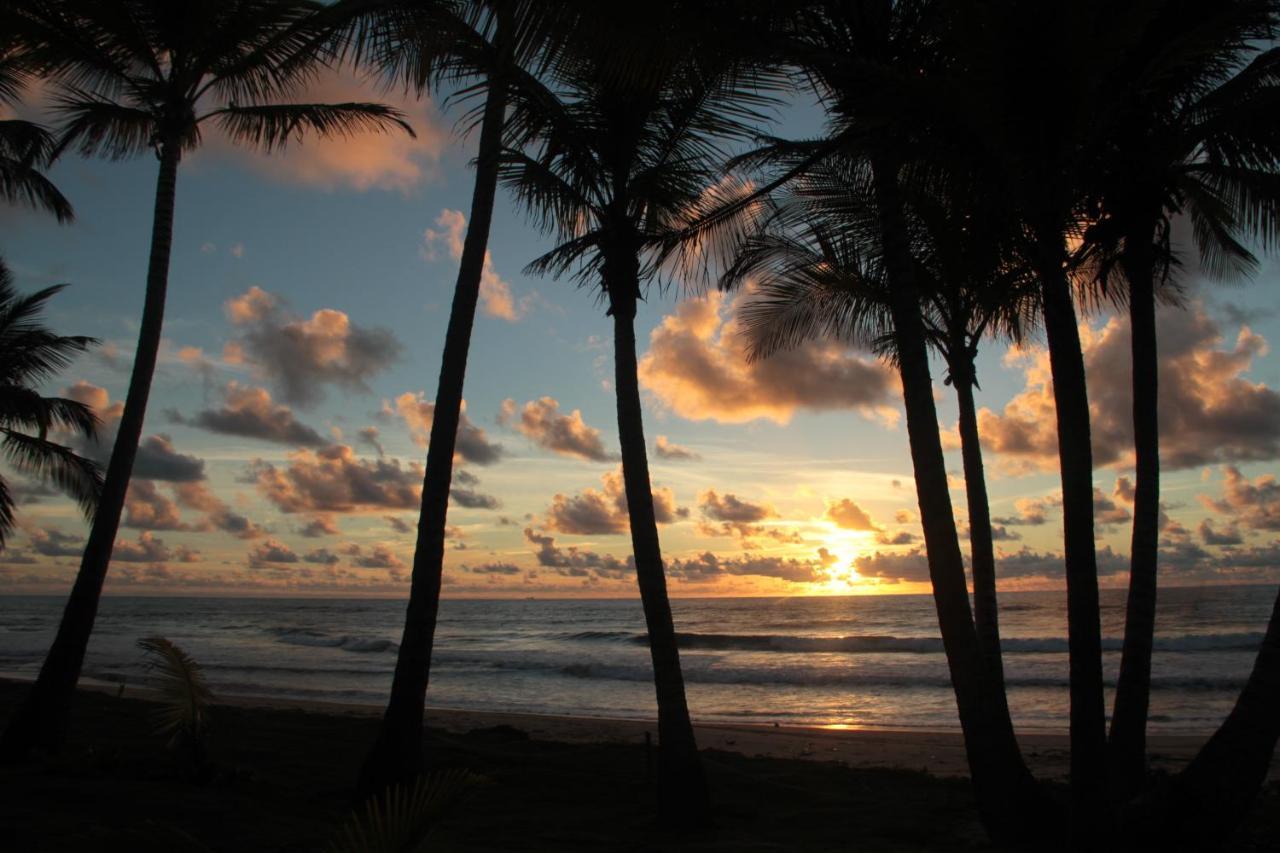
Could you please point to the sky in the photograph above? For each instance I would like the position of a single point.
(308, 297)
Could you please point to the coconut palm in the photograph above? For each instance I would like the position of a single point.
(1196, 140)
(628, 147)
(25, 147)
(31, 354)
(486, 47)
(143, 76)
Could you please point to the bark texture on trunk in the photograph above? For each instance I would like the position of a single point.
(1212, 796)
(683, 798)
(40, 723)
(981, 547)
(396, 756)
(1011, 805)
(1084, 630)
(1128, 745)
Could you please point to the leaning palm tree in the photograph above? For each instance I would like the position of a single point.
(26, 148)
(626, 150)
(1195, 140)
(31, 354)
(486, 47)
(150, 76)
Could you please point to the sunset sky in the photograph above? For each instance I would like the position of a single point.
(309, 293)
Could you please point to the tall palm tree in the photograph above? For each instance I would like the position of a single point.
(25, 147)
(31, 354)
(151, 75)
(820, 266)
(628, 147)
(1197, 140)
(488, 48)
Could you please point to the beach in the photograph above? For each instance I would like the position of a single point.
(284, 770)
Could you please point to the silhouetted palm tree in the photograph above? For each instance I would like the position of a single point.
(151, 75)
(25, 147)
(31, 354)
(1195, 139)
(486, 46)
(631, 143)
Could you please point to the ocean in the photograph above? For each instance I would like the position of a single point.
(869, 661)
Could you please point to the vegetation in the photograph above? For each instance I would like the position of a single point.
(183, 713)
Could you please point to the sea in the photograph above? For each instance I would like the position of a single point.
(855, 662)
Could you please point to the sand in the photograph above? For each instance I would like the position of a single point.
(283, 773)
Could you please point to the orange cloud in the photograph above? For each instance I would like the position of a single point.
(495, 293)
(697, 367)
(541, 422)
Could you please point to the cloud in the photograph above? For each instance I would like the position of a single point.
(541, 422)
(300, 356)
(381, 557)
(321, 525)
(731, 508)
(399, 525)
(55, 543)
(147, 508)
(471, 499)
(665, 449)
(270, 552)
(1209, 412)
(386, 161)
(157, 460)
(321, 556)
(472, 443)
(148, 549)
(332, 479)
(708, 567)
(892, 567)
(370, 436)
(1107, 512)
(219, 516)
(250, 412)
(604, 511)
(1212, 536)
(572, 561)
(847, 515)
(1254, 503)
(505, 569)
(495, 294)
(697, 367)
(1032, 512)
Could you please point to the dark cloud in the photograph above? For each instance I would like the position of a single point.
(250, 412)
(471, 499)
(730, 507)
(593, 511)
(709, 567)
(332, 479)
(147, 508)
(572, 561)
(1254, 503)
(505, 569)
(157, 460)
(301, 356)
(541, 422)
(270, 552)
(321, 556)
(149, 549)
(55, 543)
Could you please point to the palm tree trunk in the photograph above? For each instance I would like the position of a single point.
(1084, 630)
(683, 799)
(1128, 744)
(396, 756)
(1215, 792)
(981, 548)
(41, 721)
(1011, 806)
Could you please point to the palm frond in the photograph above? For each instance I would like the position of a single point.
(185, 698)
(93, 124)
(400, 820)
(80, 478)
(272, 126)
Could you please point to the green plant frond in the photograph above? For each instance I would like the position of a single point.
(401, 819)
(81, 479)
(185, 697)
(273, 126)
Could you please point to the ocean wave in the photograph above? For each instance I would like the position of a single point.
(346, 642)
(891, 644)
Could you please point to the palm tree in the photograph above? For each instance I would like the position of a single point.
(150, 75)
(629, 146)
(820, 268)
(25, 147)
(1194, 140)
(31, 354)
(486, 46)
